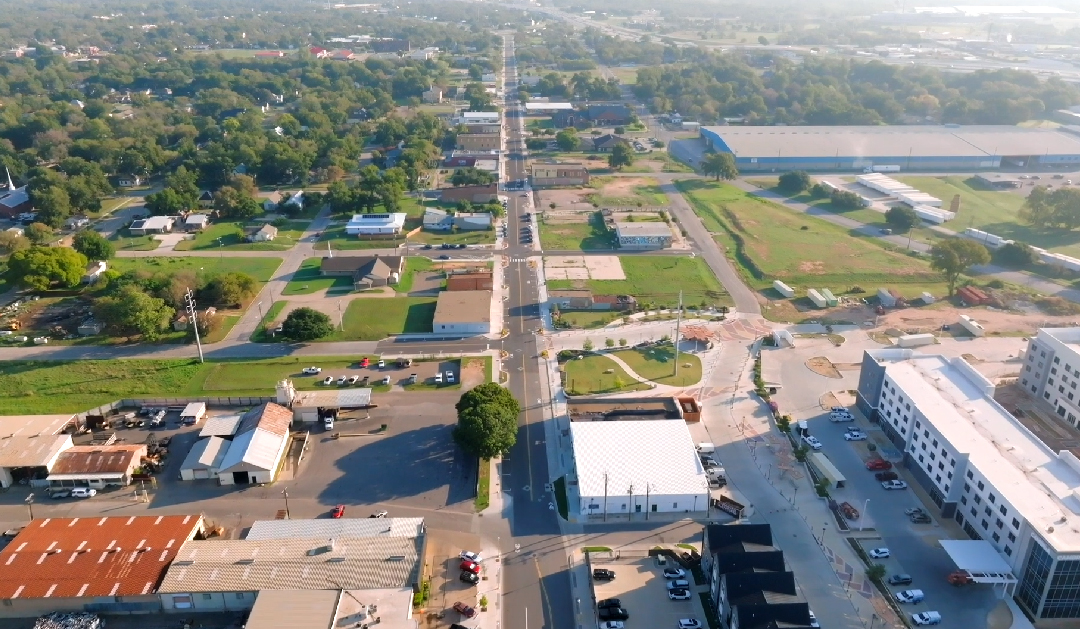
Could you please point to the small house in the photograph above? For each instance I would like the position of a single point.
(76, 222)
(196, 222)
(94, 271)
(152, 225)
(266, 233)
(437, 220)
(206, 199)
(128, 181)
(607, 143)
(472, 221)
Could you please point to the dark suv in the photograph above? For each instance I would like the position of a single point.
(602, 574)
(900, 579)
(613, 613)
(609, 602)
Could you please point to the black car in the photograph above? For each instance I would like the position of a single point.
(920, 518)
(884, 476)
(609, 602)
(469, 577)
(900, 579)
(602, 574)
(427, 246)
(446, 246)
(613, 613)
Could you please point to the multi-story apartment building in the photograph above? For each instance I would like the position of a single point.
(1052, 370)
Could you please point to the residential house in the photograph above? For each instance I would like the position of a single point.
(432, 95)
(761, 599)
(608, 115)
(196, 222)
(478, 141)
(319, 53)
(472, 194)
(605, 143)
(437, 220)
(559, 174)
(265, 233)
(343, 55)
(567, 118)
(472, 221)
(76, 222)
(206, 199)
(365, 271)
(376, 224)
(152, 225)
(128, 181)
(94, 271)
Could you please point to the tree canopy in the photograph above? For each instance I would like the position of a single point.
(953, 256)
(42, 267)
(720, 165)
(621, 155)
(487, 421)
(130, 311)
(93, 245)
(794, 181)
(1048, 208)
(306, 324)
(901, 217)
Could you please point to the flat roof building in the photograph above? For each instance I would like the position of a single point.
(375, 224)
(643, 236)
(96, 466)
(1051, 361)
(204, 459)
(907, 148)
(984, 468)
(610, 457)
(31, 454)
(464, 312)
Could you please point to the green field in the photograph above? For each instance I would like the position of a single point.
(656, 280)
(413, 265)
(123, 241)
(594, 374)
(261, 269)
(308, 279)
(377, 318)
(230, 235)
(261, 333)
(577, 236)
(658, 364)
(801, 250)
(588, 319)
(36, 387)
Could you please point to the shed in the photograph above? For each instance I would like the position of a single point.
(927, 298)
(193, 413)
(204, 459)
(816, 297)
(96, 466)
(90, 327)
(255, 453)
(783, 289)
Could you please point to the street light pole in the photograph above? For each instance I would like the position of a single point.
(30, 505)
(285, 492)
(863, 514)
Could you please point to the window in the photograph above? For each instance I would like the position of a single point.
(928, 468)
(1062, 596)
(920, 458)
(1046, 395)
(1012, 537)
(935, 443)
(907, 407)
(1003, 510)
(998, 523)
(978, 499)
(995, 537)
(207, 597)
(674, 505)
(987, 511)
(984, 525)
(1034, 576)
(937, 478)
(980, 485)
(1061, 389)
(950, 475)
(967, 487)
(944, 454)
(1016, 523)
(933, 456)
(992, 498)
(1053, 370)
(1027, 368)
(240, 596)
(941, 466)
(926, 434)
(974, 512)
(963, 500)
(970, 475)
(947, 487)
(918, 425)
(923, 446)
(1057, 360)
(1008, 551)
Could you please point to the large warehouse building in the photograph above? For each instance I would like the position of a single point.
(896, 148)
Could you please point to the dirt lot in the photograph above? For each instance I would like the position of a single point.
(565, 199)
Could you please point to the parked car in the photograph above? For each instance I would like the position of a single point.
(382, 364)
(328, 380)
(910, 596)
(449, 377)
(311, 371)
(814, 621)
(613, 613)
(678, 584)
(464, 609)
(854, 435)
(812, 441)
(879, 553)
(469, 566)
(378, 514)
(612, 624)
(83, 492)
(469, 555)
(926, 618)
(365, 362)
(603, 574)
(354, 379)
(920, 518)
(60, 493)
(608, 602)
(900, 579)
(678, 595)
(674, 573)
(468, 577)
(849, 511)
(689, 623)
(385, 380)
(438, 378)
(913, 511)
(878, 464)
(338, 511)
(839, 418)
(894, 484)
(884, 476)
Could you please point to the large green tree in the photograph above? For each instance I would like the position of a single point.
(1052, 208)
(306, 324)
(794, 181)
(230, 289)
(621, 155)
(42, 267)
(953, 256)
(471, 177)
(568, 140)
(901, 217)
(131, 311)
(720, 165)
(93, 245)
(487, 421)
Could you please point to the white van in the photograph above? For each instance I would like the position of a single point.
(328, 422)
(706, 448)
(83, 492)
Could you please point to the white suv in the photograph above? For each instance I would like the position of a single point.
(812, 441)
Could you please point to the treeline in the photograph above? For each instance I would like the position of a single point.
(580, 86)
(557, 46)
(839, 92)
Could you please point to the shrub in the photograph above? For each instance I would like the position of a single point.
(794, 182)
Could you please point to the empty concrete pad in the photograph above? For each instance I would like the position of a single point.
(639, 583)
(605, 268)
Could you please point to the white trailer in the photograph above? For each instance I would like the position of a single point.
(886, 298)
(783, 289)
(987, 239)
(916, 340)
(883, 168)
(971, 325)
(817, 298)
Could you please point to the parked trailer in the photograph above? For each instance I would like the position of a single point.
(971, 325)
(817, 298)
(933, 215)
(783, 289)
(988, 240)
(916, 340)
(886, 298)
(830, 299)
(883, 168)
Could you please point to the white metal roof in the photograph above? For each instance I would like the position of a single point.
(207, 453)
(345, 527)
(294, 609)
(158, 222)
(334, 398)
(542, 106)
(642, 229)
(258, 448)
(32, 450)
(194, 409)
(657, 453)
(976, 556)
(28, 425)
(220, 426)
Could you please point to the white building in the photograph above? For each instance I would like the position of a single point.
(640, 466)
(375, 224)
(479, 117)
(204, 459)
(985, 470)
(255, 452)
(1052, 370)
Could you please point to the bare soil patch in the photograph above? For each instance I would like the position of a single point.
(822, 366)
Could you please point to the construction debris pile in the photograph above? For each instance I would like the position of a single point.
(72, 620)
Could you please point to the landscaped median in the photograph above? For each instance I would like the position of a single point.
(594, 373)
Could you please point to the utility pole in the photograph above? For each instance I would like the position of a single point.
(192, 309)
(30, 505)
(285, 492)
(605, 496)
(678, 327)
(648, 486)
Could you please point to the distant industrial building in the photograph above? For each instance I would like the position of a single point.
(904, 148)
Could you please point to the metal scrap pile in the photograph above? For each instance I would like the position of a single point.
(75, 620)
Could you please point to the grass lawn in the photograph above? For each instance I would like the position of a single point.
(801, 250)
(377, 318)
(588, 319)
(598, 374)
(227, 323)
(656, 280)
(647, 194)
(42, 387)
(483, 485)
(110, 205)
(261, 334)
(658, 364)
(307, 280)
(261, 269)
(413, 265)
(231, 236)
(577, 236)
(124, 241)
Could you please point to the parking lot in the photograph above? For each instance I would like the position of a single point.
(640, 586)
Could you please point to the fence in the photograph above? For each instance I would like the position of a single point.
(105, 409)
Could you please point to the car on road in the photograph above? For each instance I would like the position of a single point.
(613, 613)
(884, 476)
(328, 380)
(926, 618)
(378, 514)
(679, 595)
(464, 609)
(913, 511)
(427, 246)
(338, 511)
(613, 624)
(381, 364)
(385, 380)
(900, 579)
(469, 566)
(469, 555)
(311, 371)
(920, 518)
(812, 441)
(837, 418)
(879, 553)
(854, 435)
(608, 602)
(468, 577)
(894, 484)
(678, 584)
(878, 464)
(674, 573)
(446, 245)
(603, 574)
(910, 596)
(689, 623)
(444, 257)
(814, 621)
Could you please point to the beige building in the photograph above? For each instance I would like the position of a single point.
(560, 174)
(466, 313)
(478, 141)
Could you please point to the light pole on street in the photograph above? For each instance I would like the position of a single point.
(285, 492)
(823, 534)
(30, 505)
(863, 514)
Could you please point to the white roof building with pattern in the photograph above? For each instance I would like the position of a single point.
(345, 527)
(650, 456)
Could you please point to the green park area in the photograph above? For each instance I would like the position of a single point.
(594, 373)
(655, 281)
(560, 236)
(261, 269)
(768, 242)
(230, 236)
(658, 364)
(587, 319)
(122, 240)
(373, 319)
